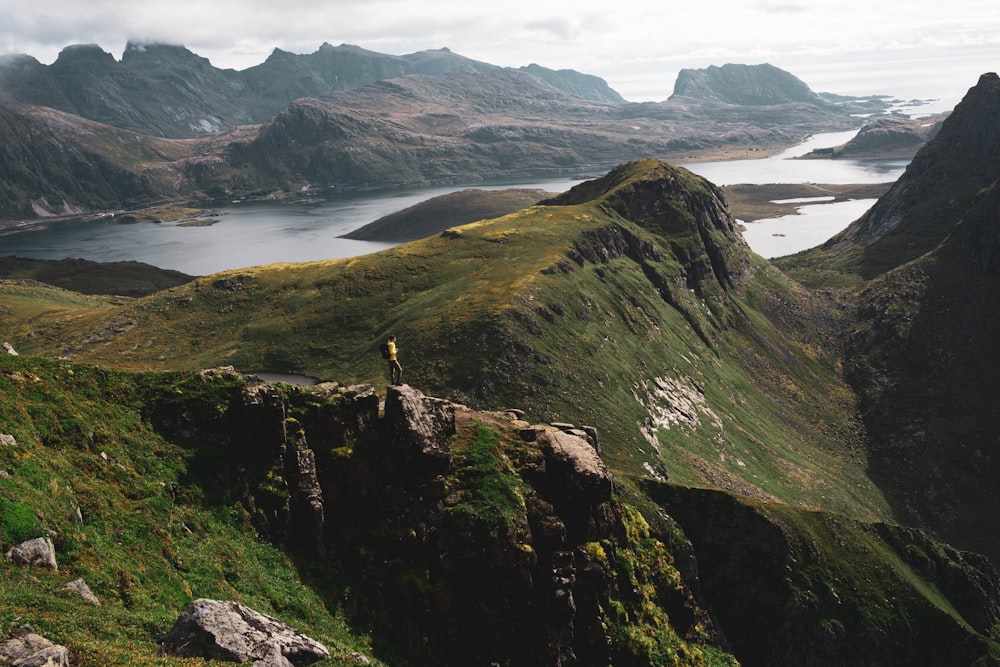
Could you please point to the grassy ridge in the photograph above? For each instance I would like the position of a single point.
(719, 386)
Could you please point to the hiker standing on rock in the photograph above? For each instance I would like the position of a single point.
(395, 370)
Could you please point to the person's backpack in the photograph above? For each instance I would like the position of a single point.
(384, 349)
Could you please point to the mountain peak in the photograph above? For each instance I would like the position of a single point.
(160, 54)
(77, 53)
(745, 85)
(936, 189)
(675, 204)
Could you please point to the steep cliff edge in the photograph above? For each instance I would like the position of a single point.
(920, 349)
(934, 192)
(442, 534)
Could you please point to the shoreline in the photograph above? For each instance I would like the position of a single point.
(186, 211)
(750, 202)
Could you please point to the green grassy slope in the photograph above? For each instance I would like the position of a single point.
(128, 516)
(694, 356)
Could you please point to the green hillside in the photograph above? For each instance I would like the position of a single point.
(129, 514)
(657, 322)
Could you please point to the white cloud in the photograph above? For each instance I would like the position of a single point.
(637, 45)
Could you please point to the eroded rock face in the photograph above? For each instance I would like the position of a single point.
(219, 630)
(420, 426)
(306, 496)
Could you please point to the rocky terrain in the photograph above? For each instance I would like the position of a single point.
(886, 137)
(745, 85)
(930, 248)
(90, 134)
(165, 90)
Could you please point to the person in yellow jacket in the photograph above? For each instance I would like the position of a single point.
(395, 370)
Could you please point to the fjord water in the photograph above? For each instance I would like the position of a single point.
(255, 233)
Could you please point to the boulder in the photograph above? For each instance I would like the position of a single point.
(7, 439)
(33, 650)
(577, 467)
(273, 659)
(39, 551)
(80, 586)
(420, 426)
(230, 631)
(10, 349)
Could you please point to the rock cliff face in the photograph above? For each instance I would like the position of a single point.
(979, 234)
(467, 538)
(760, 564)
(922, 353)
(937, 187)
(477, 538)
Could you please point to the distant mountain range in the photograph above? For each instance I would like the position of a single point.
(90, 133)
(168, 91)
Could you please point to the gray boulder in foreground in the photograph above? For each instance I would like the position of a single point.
(32, 650)
(230, 631)
(39, 551)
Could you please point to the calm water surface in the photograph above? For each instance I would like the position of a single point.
(814, 225)
(781, 168)
(255, 233)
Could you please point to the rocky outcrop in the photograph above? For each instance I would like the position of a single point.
(263, 458)
(80, 587)
(577, 467)
(420, 427)
(29, 649)
(38, 551)
(217, 630)
(305, 502)
(885, 138)
(483, 560)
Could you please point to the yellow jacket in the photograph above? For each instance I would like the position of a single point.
(392, 350)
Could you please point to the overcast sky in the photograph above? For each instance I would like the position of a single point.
(915, 48)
